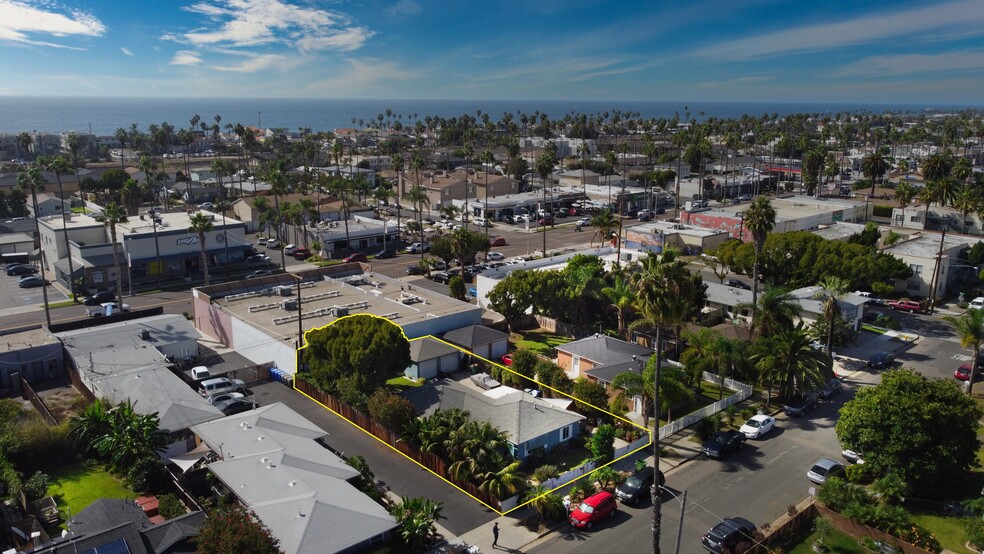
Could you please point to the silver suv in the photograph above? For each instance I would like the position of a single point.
(220, 385)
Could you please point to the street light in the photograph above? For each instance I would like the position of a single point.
(683, 506)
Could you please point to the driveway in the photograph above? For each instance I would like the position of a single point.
(403, 476)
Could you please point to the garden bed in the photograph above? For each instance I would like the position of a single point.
(837, 543)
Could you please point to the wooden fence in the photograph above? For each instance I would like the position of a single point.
(36, 401)
(430, 461)
(860, 530)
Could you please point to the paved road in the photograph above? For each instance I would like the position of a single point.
(404, 477)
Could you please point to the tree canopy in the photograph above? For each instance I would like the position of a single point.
(230, 529)
(355, 356)
(922, 429)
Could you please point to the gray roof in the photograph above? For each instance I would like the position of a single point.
(727, 296)
(604, 350)
(811, 299)
(298, 488)
(157, 390)
(113, 538)
(428, 348)
(519, 415)
(163, 536)
(474, 335)
(105, 513)
(117, 347)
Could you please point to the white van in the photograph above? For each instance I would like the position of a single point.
(221, 384)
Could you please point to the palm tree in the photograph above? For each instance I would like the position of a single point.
(60, 166)
(604, 222)
(622, 299)
(502, 483)
(74, 144)
(970, 329)
(34, 180)
(123, 137)
(966, 201)
(790, 363)
(278, 187)
(775, 310)
(416, 517)
(112, 215)
(24, 142)
(759, 219)
(833, 288)
(89, 425)
(488, 159)
(904, 194)
(417, 195)
(544, 167)
(200, 224)
(548, 506)
(874, 166)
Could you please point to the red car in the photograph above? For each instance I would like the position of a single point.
(498, 241)
(507, 359)
(358, 257)
(963, 372)
(546, 220)
(910, 306)
(594, 509)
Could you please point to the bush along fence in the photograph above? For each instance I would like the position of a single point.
(743, 392)
(434, 463)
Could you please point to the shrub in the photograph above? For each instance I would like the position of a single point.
(392, 410)
(706, 427)
(545, 472)
(170, 507)
(603, 443)
(456, 287)
(146, 473)
(36, 486)
(580, 490)
(974, 528)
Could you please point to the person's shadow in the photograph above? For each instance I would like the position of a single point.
(505, 548)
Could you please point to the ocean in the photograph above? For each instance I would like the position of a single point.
(102, 116)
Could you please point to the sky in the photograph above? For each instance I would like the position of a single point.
(707, 50)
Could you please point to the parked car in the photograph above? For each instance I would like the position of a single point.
(977, 303)
(220, 385)
(723, 442)
(415, 270)
(385, 254)
(584, 222)
(485, 381)
(302, 254)
(99, 298)
(438, 264)
(853, 456)
(881, 360)
(744, 197)
(494, 256)
(637, 486)
(357, 257)
(235, 406)
(737, 284)
(546, 220)
(498, 241)
(733, 534)
(595, 508)
(442, 277)
(260, 273)
(824, 469)
(799, 406)
(910, 306)
(262, 241)
(963, 372)
(31, 282)
(200, 373)
(258, 259)
(758, 426)
(22, 269)
(273, 244)
(290, 249)
(222, 397)
(832, 387)
(100, 310)
(418, 247)
(206, 205)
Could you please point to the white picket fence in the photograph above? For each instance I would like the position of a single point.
(743, 392)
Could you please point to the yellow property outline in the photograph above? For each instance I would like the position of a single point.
(294, 386)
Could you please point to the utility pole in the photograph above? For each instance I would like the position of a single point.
(936, 272)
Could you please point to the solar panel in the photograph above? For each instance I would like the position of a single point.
(117, 546)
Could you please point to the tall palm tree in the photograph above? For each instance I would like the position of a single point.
(759, 219)
(874, 166)
(201, 223)
(278, 187)
(622, 299)
(833, 288)
(488, 161)
(60, 166)
(34, 180)
(775, 310)
(502, 483)
(114, 214)
(604, 221)
(789, 362)
(74, 144)
(970, 329)
(398, 161)
(224, 167)
(665, 294)
(123, 137)
(904, 195)
(417, 194)
(544, 167)
(24, 141)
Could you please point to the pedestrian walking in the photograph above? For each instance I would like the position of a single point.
(495, 535)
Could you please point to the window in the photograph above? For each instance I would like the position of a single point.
(916, 269)
(575, 364)
(565, 433)
(913, 285)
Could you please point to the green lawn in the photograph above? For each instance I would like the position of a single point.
(837, 543)
(76, 486)
(404, 383)
(541, 342)
(949, 530)
(62, 304)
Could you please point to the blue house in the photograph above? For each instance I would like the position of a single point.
(533, 426)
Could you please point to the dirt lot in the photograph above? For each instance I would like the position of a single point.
(61, 398)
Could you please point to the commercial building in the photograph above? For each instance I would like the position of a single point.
(658, 235)
(11, 243)
(150, 247)
(795, 213)
(360, 233)
(259, 317)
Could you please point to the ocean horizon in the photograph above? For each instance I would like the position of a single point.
(102, 116)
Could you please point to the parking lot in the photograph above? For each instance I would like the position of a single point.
(13, 297)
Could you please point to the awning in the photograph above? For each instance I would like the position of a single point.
(188, 459)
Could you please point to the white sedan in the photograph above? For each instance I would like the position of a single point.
(494, 256)
(757, 426)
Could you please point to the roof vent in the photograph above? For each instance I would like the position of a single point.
(292, 484)
(265, 460)
(145, 334)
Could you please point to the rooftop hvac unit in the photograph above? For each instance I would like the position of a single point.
(145, 334)
(284, 291)
(290, 305)
(341, 311)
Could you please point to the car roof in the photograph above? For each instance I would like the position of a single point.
(731, 524)
(597, 498)
(760, 417)
(214, 381)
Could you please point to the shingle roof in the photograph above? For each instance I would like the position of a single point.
(105, 513)
(474, 335)
(519, 415)
(161, 537)
(428, 349)
(157, 390)
(604, 350)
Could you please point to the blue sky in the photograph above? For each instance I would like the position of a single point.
(710, 50)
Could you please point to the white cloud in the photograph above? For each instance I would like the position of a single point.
(909, 64)
(365, 76)
(19, 21)
(253, 64)
(186, 57)
(734, 82)
(126, 51)
(952, 18)
(403, 8)
(244, 23)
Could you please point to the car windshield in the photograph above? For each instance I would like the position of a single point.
(633, 482)
(753, 423)
(586, 508)
(721, 438)
(819, 470)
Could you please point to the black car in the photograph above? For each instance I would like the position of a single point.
(737, 284)
(799, 406)
(832, 387)
(384, 254)
(723, 442)
(21, 270)
(637, 486)
(733, 534)
(441, 277)
(99, 298)
(235, 406)
(415, 270)
(881, 360)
